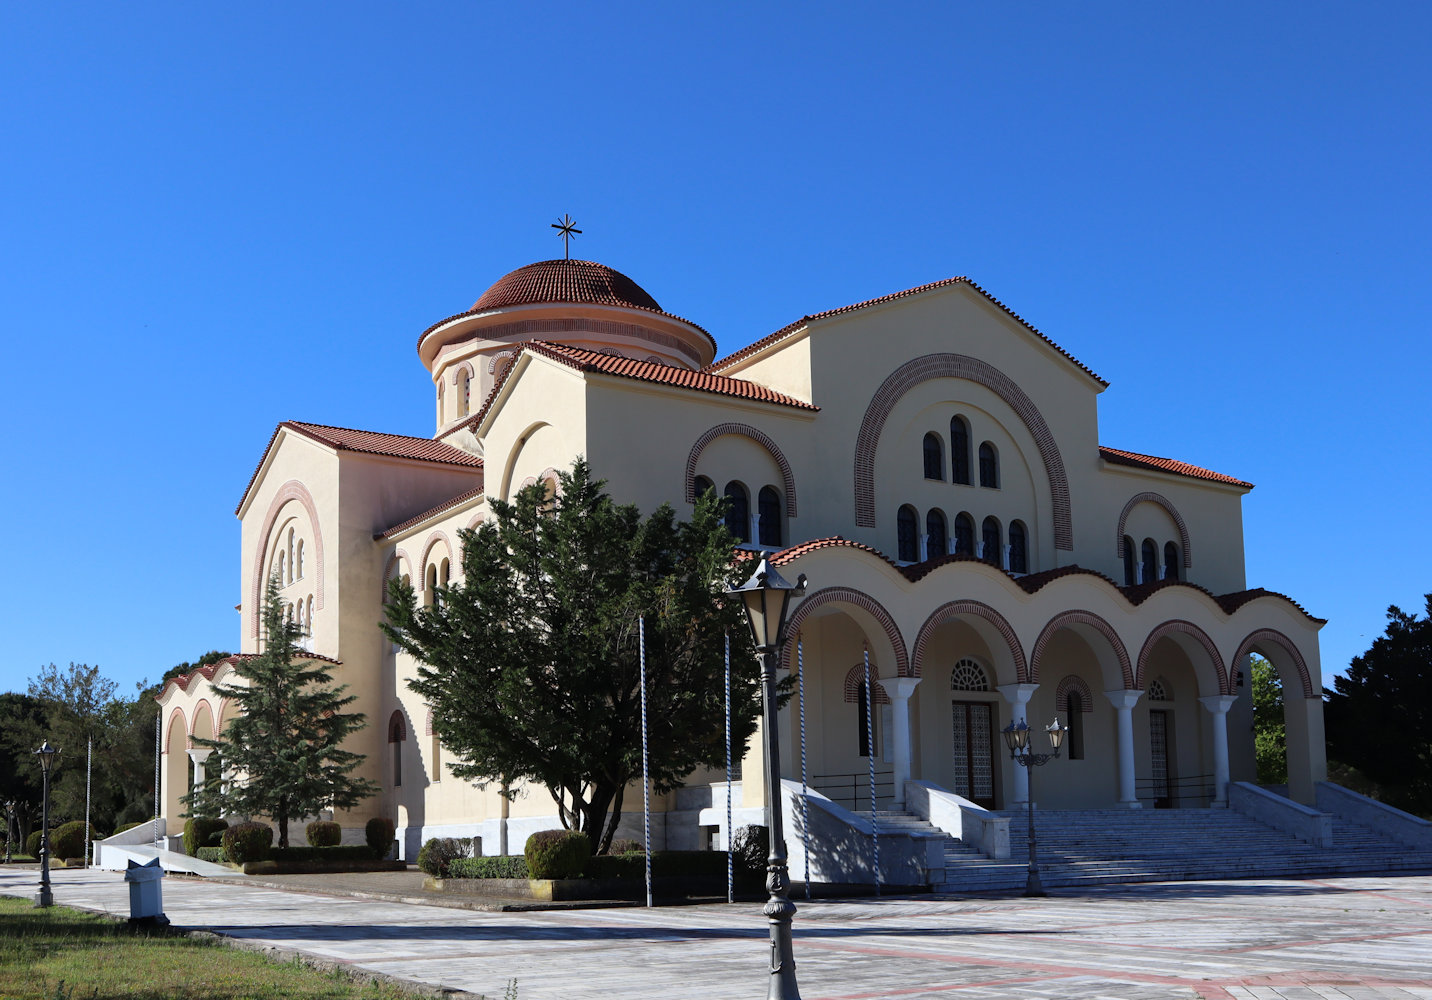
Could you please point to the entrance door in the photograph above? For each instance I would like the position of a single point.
(1158, 757)
(974, 751)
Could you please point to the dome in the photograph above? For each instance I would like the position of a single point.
(565, 281)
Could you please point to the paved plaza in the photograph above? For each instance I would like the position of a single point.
(1358, 938)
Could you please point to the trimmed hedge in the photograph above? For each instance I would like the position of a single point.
(557, 853)
(323, 833)
(664, 864)
(32, 843)
(625, 845)
(69, 840)
(248, 842)
(378, 832)
(347, 852)
(510, 866)
(215, 855)
(201, 831)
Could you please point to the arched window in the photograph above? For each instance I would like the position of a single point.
(738, 511)
(464, 393)
(1150, 561)
(430, 591)
(1171, 561)
(934, 458)
(1018, 548)
(290, 556)
(989, 466)
(959, 451)
(867, 732)
(1130, 558)
(1074, 708)
(964, 535)
(298, 555)
(989, 534)
(281, 567)
(397, 733)
(768, 516)
(1158, 690)
(701, 486)
(309, 616)
(441, 415)
(935, 536)
(968, 675)
(908, 540)
(444, 574)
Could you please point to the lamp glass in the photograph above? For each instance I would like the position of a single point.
(1016, 735)
(48, 755)
(1056, 734)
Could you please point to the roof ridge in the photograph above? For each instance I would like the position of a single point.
(1173, 466)
(431, 512)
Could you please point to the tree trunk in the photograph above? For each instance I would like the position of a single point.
(612, 821)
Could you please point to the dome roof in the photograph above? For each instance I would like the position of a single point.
(565, 281)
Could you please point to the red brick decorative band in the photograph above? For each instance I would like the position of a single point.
(933, 366)
(1180, 627)
(1074, 682)
(499, 356)
(845, 595)
(459, 368)
(1265, 635)
(954, 609)
(788, 479)
(1172, 512)
(433, 539)
(855, 682)
(1092, 620)
(291, 490)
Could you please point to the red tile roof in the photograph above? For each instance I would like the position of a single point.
(426, 515)
(583, 281)
(210, 669)
(1232, 602)
(793, 553)
(1137, 461)
(368, 442)
(959, 280)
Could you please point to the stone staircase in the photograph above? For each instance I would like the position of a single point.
(1092, 847)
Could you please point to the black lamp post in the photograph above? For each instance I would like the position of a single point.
(49, 757)
(1016, 737)
(9, 826)
(767, 597)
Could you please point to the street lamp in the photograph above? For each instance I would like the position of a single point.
(1016, 737)
(49, 757)
(767, 597)
(9, 826)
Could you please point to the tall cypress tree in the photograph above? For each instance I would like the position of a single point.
(282, 755)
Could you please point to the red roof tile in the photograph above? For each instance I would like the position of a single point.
(959, 280)
(426, 515)
(583, 281)
(793, 553)
(210, 669)
(1137, 461)
(1232, 602)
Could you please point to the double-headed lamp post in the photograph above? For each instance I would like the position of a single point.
(49, 757)
(767, 598)
(1016, 737)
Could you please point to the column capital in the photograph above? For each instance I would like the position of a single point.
(899, 688)
(1124, 698)
(200, 754)
(1218, 704)
(1017, 694)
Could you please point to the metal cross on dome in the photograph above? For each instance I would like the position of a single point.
(569, 229)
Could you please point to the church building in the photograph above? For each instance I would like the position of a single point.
(928, 459)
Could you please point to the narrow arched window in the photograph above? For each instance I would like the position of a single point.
(1150, 561)
(464, 393)
(283, 581)
(738, 511)
(768, 516)
(989, 534)
(397, 733)
(290, 556)
(1074, 708)
(989, 466)
(441, 416)
(908, 541)
(1018, 548)
(444, 573)
(935, 534)
(964, 535)
(1130, 559)
(959, 451)
(1171, 568)
(430, 591)
(310, 612)
(299, 556)
(701, 486)
(934, 458)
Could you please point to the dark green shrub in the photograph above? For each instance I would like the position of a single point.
(199, 831)
(215, 855)
(324, 833)
(752, 846)
(625, 845)
(510, 866)
(664, 864)
(379, 834)
(69, 840)
(248, 842)
(130, 826)
(437, 854)
(557, 853)
(32, 844)
(346, 852)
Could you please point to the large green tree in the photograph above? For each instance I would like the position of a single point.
(1270, 739)
(531, 663)
(22, 719)
(1379, 717)
(282, 755)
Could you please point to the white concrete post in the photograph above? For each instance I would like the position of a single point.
(1018, 696)
(198, 757)
(924, 547)
(900, 689)
(1218, 705)
(1124, 702)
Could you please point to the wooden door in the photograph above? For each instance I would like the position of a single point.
(974, 751)
(1159, 725)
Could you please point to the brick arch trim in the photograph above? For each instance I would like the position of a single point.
(1074, 683)
(1279, 639)
(291, 490)
(855, 680)
(428, 726)
(1181, 627)
(202, 703)
(1077, 617)
(499, 356)
(458, 369)
(397, 727)
(953, 609)
(845, 595)
(433, 539)
(788, 479)
(169, 728)
(1169, 508)
(933, 366)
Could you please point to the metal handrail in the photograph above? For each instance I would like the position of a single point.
(1182, 792)
(853, 790)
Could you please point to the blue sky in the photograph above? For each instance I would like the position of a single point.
(213, 220)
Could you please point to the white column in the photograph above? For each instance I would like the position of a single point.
(1018, 696)
(924, 547)
(1218, 705)
(198, 757)
(754, 520)
(1124, 702)
(900, 689)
